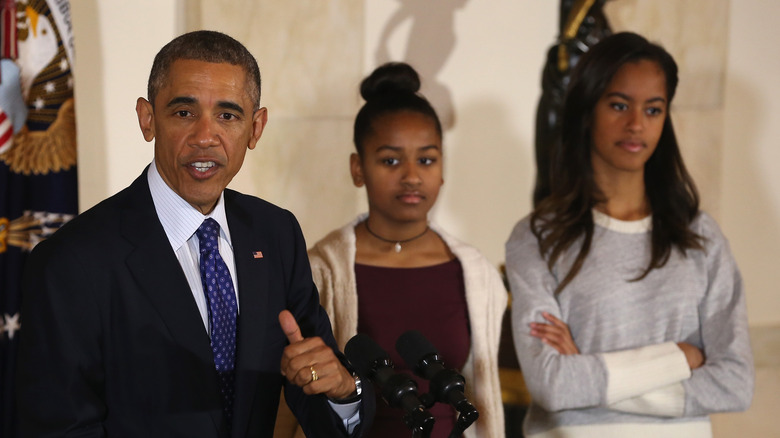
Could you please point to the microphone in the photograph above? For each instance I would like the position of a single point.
(446, 385)
(398, 390)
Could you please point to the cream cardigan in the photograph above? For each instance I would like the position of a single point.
(332, 262)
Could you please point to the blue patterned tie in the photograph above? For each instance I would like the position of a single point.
(221, 298)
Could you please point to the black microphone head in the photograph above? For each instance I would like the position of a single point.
(364, 354)
(414, 347)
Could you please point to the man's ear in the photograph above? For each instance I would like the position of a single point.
(356, 169)
(259, 119)
(145, 114)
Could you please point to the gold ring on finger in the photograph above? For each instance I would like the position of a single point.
(314, 375)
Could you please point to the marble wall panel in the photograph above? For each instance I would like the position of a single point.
(309, 51)
(303, 166)
(695, 32)
(761, 419)
(310, 56)
(765, 341)
(700, 136)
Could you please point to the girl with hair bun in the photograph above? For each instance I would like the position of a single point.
(392, 270)
(629, 314)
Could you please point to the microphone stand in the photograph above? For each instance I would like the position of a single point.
(417, 418)
(468, 414)
(452, 385)
(420, 423)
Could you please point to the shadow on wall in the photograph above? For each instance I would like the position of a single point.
(430, 43)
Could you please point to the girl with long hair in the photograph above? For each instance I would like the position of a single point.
(628, 308)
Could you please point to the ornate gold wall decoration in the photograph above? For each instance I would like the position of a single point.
(41, 152)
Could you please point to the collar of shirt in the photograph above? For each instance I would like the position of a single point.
(644, 225)
(179, 219)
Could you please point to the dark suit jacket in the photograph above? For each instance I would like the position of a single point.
(113, 344)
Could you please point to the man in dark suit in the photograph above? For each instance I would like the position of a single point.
(125, 333)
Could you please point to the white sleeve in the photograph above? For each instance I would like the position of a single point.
(637, 371)
(647, 380)
(668, 401)
(349, 414)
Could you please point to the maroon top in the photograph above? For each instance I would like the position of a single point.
(430, 299)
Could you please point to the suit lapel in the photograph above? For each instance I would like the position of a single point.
(157, 271)
(253, 283)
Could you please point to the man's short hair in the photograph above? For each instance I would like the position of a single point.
(207, 46)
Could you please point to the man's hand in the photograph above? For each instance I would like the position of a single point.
(311, 364)
(555, 334)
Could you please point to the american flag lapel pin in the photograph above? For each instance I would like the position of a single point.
(257, 254)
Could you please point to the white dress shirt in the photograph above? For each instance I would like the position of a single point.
(180, 221)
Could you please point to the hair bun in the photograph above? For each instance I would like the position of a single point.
(388, 79)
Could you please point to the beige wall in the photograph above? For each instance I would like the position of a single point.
(481, 68)
(750, 202)
(115, 45)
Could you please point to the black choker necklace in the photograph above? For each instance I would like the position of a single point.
(396, 242)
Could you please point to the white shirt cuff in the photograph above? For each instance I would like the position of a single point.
(635, 372)
(668, 401)
(349, 414)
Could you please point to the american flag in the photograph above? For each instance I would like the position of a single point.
(6, 132)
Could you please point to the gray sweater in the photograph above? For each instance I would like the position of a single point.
(630, 373)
